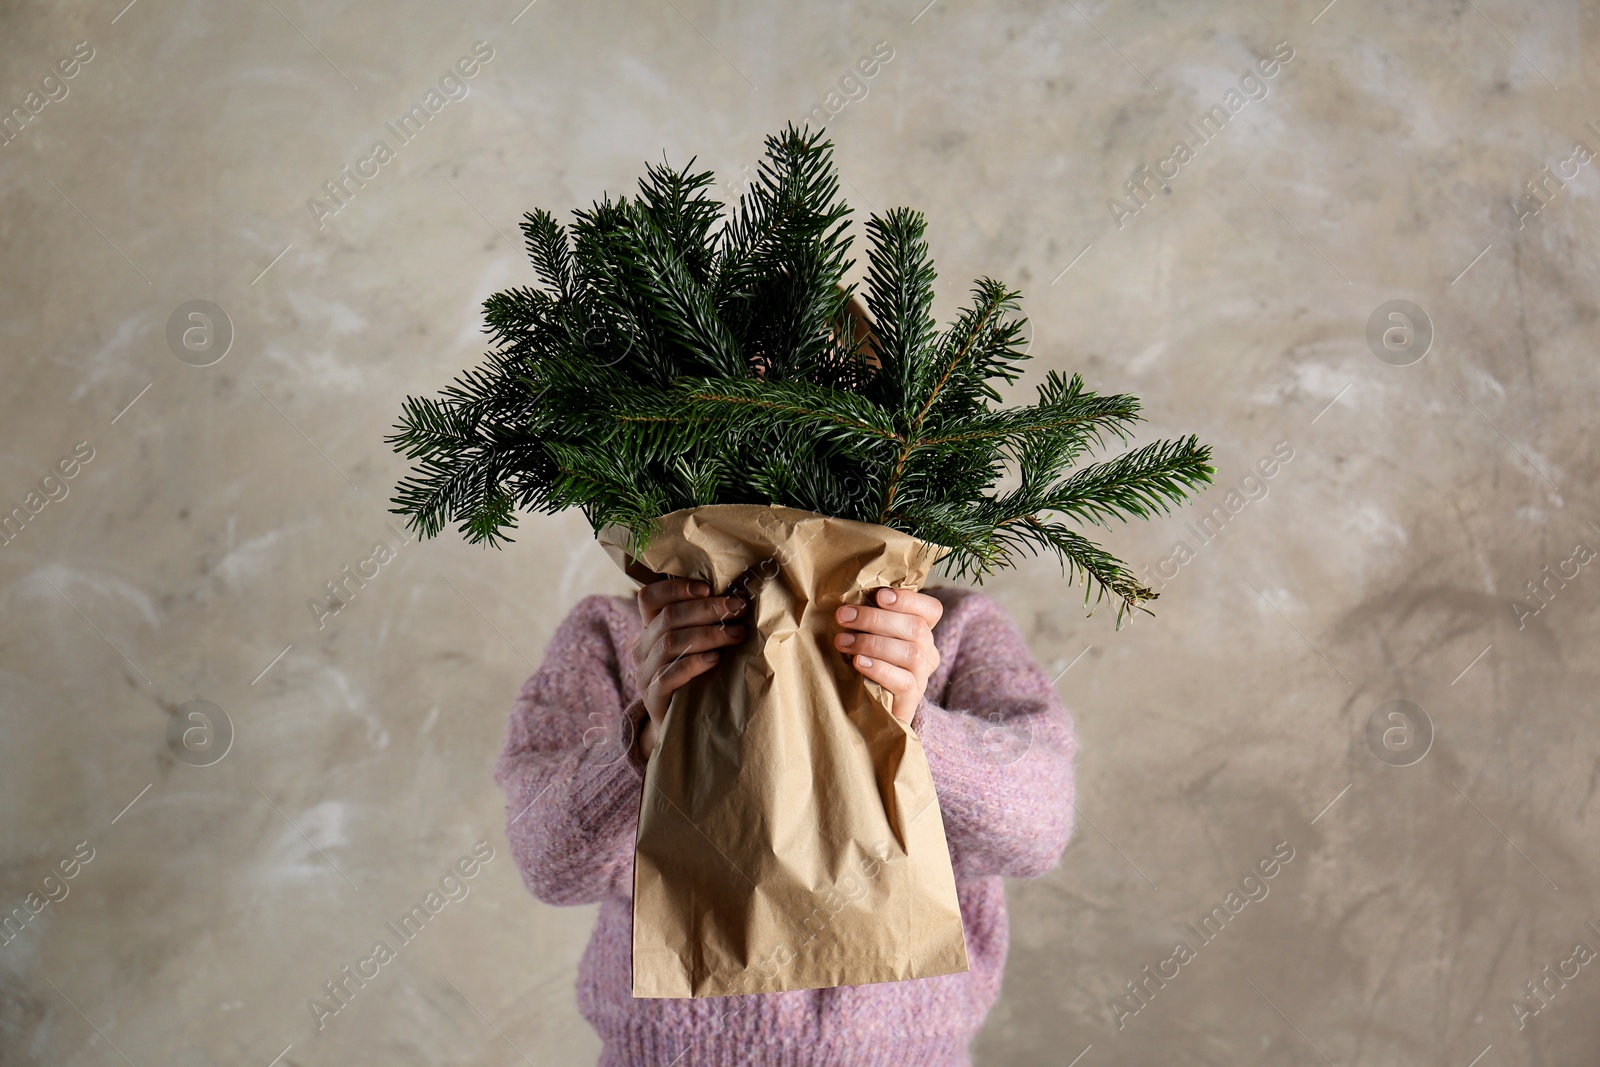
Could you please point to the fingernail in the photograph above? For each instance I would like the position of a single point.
(709, 655)
(887, 597)
(865, 661)
(847, 614)
(847, 639)
(701, 589)
(736, 629)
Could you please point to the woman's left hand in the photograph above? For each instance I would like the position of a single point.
(893, 644)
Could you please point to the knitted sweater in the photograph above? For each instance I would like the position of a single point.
(1001, 748)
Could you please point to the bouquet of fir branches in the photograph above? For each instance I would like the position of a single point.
(676, 355)
(722, 406)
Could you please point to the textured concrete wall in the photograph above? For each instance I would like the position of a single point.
(1416, 492)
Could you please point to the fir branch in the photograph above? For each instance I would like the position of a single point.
(1140, 483)
(548, 251)
(899, 295)
(744, 404)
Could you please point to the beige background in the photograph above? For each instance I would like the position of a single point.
(1383, 562)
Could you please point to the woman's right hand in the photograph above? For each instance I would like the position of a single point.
(684, 628)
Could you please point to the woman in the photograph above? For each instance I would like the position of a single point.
(999, 743)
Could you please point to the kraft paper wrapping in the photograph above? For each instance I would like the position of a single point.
(789, 833)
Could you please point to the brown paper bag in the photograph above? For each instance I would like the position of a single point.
(789, 834)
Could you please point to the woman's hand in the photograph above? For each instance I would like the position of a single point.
(893, 644)
(683, 630)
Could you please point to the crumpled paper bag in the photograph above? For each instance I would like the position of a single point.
(789, 833)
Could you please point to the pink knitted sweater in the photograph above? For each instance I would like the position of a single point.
(1001, 747)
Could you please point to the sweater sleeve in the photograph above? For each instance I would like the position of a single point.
(1001, 748)
(568, 766)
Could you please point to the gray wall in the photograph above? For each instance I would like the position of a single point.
(1384, 561)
